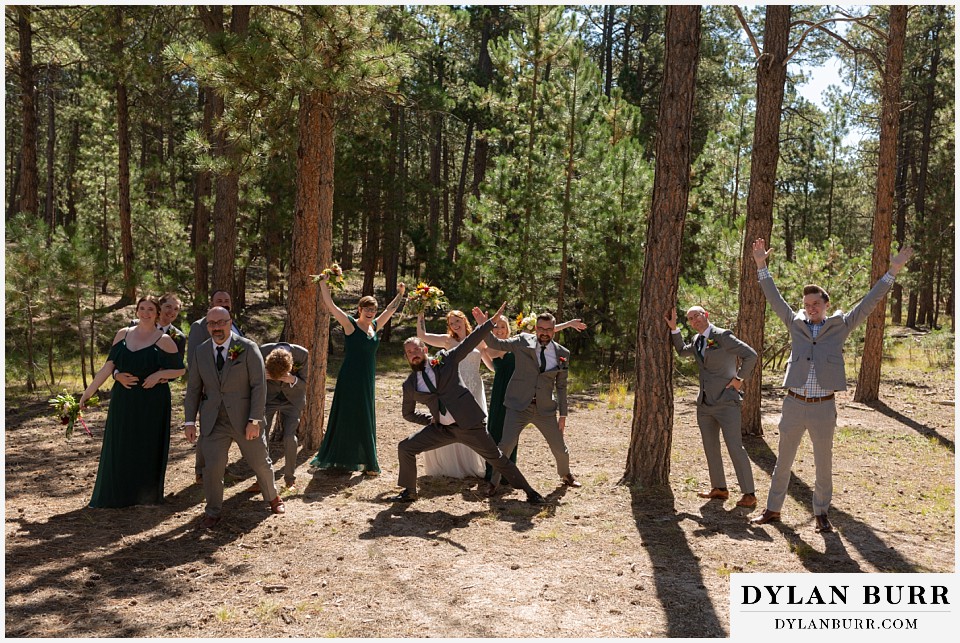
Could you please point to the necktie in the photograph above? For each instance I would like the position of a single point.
(220, 360)
(699, 345)
(543, 358)
(433, 389)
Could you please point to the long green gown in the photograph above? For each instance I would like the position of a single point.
(350, 441)
(503, 370)
(136, 440)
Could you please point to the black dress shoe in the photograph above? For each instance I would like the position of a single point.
(535, 498)
(404, 496)
(823, 524)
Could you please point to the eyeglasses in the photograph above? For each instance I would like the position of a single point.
(219, 323)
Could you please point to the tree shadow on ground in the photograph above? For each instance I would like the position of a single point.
(677, 574)
(60, 568)
(922, 429)
(835, 558)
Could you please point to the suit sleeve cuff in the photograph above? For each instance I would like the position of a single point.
(675, 331)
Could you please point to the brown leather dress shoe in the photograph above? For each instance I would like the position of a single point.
(209, 522)
(765, 517)
(748, 500)
(719, 494)
(277, 506)
(570, 481)
(823, 524)
(254, 488)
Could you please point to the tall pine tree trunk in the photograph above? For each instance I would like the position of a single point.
(201, 214)
(648, 460)
(29, 200)
(771, 76)
(123, 176)
(868, 381)
(49, 203)
(312, 250)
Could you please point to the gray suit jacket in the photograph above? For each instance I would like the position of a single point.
(826, 351)
(241, 386)
(280, 394)
(200, 334)
(528, 383)
(719, 365)
(456, 397)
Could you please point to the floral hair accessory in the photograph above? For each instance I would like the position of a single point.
(426, 297)
(67, 410)
(234, 352)
(334, 275)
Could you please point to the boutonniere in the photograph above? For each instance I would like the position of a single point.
(296, 367)
(234, 352)
(172, 331)
(562, 361)
(711, 343)
(438, 359)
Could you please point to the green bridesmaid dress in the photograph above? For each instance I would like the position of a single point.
(136, 440)
(350, 441)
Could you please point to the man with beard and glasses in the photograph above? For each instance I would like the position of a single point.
(541, 369)
(455, 416)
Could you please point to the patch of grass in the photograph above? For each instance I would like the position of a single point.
(309, 607)
(266, 611)
(616, 393)
(224, 614)
(601, 478)
(553, 534)
(801, 550)
(938, 501)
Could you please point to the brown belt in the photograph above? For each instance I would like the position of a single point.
(813, 400)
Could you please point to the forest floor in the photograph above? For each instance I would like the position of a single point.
(605, 560)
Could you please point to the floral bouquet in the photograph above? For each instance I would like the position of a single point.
(425, 297)
(526, 324)
(68, 411)
(334, 275)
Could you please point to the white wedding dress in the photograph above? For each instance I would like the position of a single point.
(458, 460)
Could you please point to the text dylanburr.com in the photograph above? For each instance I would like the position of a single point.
(856, 607)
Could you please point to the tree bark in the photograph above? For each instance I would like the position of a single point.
(123, 177)
(868, 381)
(312, 250)
(50, 202)
(29, 201)
(201, 214)
(771, 76)
(648, 460)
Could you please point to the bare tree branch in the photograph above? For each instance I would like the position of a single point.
(746, 28)
(819, 25)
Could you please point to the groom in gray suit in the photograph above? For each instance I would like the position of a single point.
(717, 352)
(541, 369)
(455, 415)
(815, 370)
(227, 386)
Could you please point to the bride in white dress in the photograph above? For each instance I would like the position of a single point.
(456, 460)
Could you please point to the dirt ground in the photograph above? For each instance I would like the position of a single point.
(604, 560)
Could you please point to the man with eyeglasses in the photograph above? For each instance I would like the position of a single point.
(541, 370)
(227, 386)
(814, 372)
(198, 335)
(717, 352)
